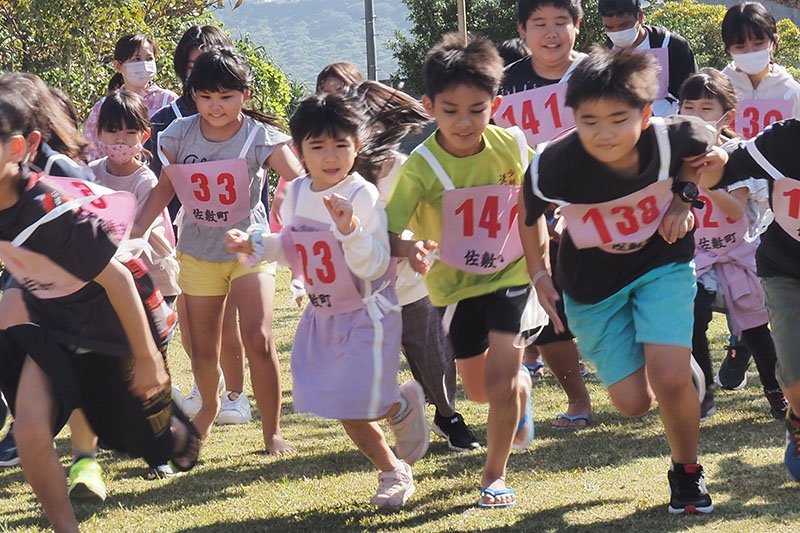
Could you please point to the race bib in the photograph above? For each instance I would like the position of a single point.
(754, 116)
(786, 205)
(540, 113)
(662, 56)
(619, 226)
(715, 232)
(479, 228)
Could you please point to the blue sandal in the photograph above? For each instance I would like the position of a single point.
(572, 420)
(486, 491)
(533, 369)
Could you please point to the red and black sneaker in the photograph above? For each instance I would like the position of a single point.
(687, 487)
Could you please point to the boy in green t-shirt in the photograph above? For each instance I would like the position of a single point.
(460, 186)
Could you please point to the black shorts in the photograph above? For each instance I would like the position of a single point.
(100, 385)
(548, 333)
(469, 321)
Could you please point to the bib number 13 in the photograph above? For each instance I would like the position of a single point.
(202, 191)
(321, 250)
(489, 218)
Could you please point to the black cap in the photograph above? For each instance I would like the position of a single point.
(614, 7)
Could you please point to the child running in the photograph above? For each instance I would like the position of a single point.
(135, 63)
(88, 331)
(725, 249)
(772, 154)
(460, 187)
(213, 161)
(345, 354)
(627, 292)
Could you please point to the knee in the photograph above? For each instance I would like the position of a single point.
(502, 390)
(670, 384)
(32, 435)
(475, 392)
(257, 340)
(633, 406)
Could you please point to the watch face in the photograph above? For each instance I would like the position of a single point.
(690, 190)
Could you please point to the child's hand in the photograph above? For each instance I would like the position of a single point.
(149, 376)
(418, 255)
(548, 296)
(677, 222)
(238, 241)
(708, 167)
(341, 211)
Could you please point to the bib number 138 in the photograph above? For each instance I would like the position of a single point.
(646, 212)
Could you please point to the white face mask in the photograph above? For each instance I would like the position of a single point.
(624, 38)
(752, 62)
(139, 73)
(715, 123)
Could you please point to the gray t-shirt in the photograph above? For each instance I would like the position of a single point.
(185, 142)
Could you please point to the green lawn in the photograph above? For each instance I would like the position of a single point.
(609, 477)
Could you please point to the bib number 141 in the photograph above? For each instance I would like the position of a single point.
(489, 218)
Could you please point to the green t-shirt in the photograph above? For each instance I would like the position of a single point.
(416, 199)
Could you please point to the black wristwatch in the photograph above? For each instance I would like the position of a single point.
(688, 193)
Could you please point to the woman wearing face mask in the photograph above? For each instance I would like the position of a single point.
(767, 92)
(135, 63)
(623, 22)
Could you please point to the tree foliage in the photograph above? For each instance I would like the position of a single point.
(70, 44)
(496, 19)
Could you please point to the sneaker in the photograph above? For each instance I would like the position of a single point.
(86, 481)
(777, 404)
(235, 409)
(411, 433)
(193, 402)
(732, 373)
(707, 407)
(394, 488)
(8, 449)
(459, 437)
(792, 457)
(687, 488)
(163, 472)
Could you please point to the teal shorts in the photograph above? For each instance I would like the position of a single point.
(657, 308)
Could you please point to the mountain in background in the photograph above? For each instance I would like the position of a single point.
(303, 36)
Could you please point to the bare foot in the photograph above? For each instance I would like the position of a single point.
(498, 486)
(276, 446)
(204, 419)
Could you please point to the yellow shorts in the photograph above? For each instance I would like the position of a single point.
(206, 278)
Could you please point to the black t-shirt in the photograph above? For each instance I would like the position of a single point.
(60, 167)
(779, 253)
(519, 76)
(81, 246)
(568, 173)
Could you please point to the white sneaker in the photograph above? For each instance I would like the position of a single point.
(394, 488)
(193, 402)
(234, 410)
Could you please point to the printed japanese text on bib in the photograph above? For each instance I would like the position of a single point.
(662, 56)
(214, 193)
(317, 261)
(753, 116)
(786, 205)
(540, 113)
(619, 226)
(716, 233)
(479, 228)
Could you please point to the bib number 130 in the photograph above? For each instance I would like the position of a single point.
(225, 182)
(489, 217)
(322, 253)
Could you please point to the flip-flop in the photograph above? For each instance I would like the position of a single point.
(486, 491)
(572, 420)
(531, 430)
(533, 370)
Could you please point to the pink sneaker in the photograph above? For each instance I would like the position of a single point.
(411, 434)
(394, 488)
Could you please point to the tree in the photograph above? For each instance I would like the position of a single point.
(496, 19)
(70, 44)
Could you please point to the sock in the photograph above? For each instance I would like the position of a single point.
(683, 466)
(401, 414)
(78, 455)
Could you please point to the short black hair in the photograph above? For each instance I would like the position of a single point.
(710, 84)
(123, 110)
(746, 20)
(200, 37)
(326, 114)
(452, 62)
(526, 7)
(621, 74)
(613, 8)
(512, 50)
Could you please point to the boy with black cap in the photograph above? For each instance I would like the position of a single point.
(623, 21)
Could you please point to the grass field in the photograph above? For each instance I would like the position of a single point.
(608, 477)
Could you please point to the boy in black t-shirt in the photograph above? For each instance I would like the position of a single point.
(628, 293)
(86, 330)
(623, 21)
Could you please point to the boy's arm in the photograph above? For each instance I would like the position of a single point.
(149, 373)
